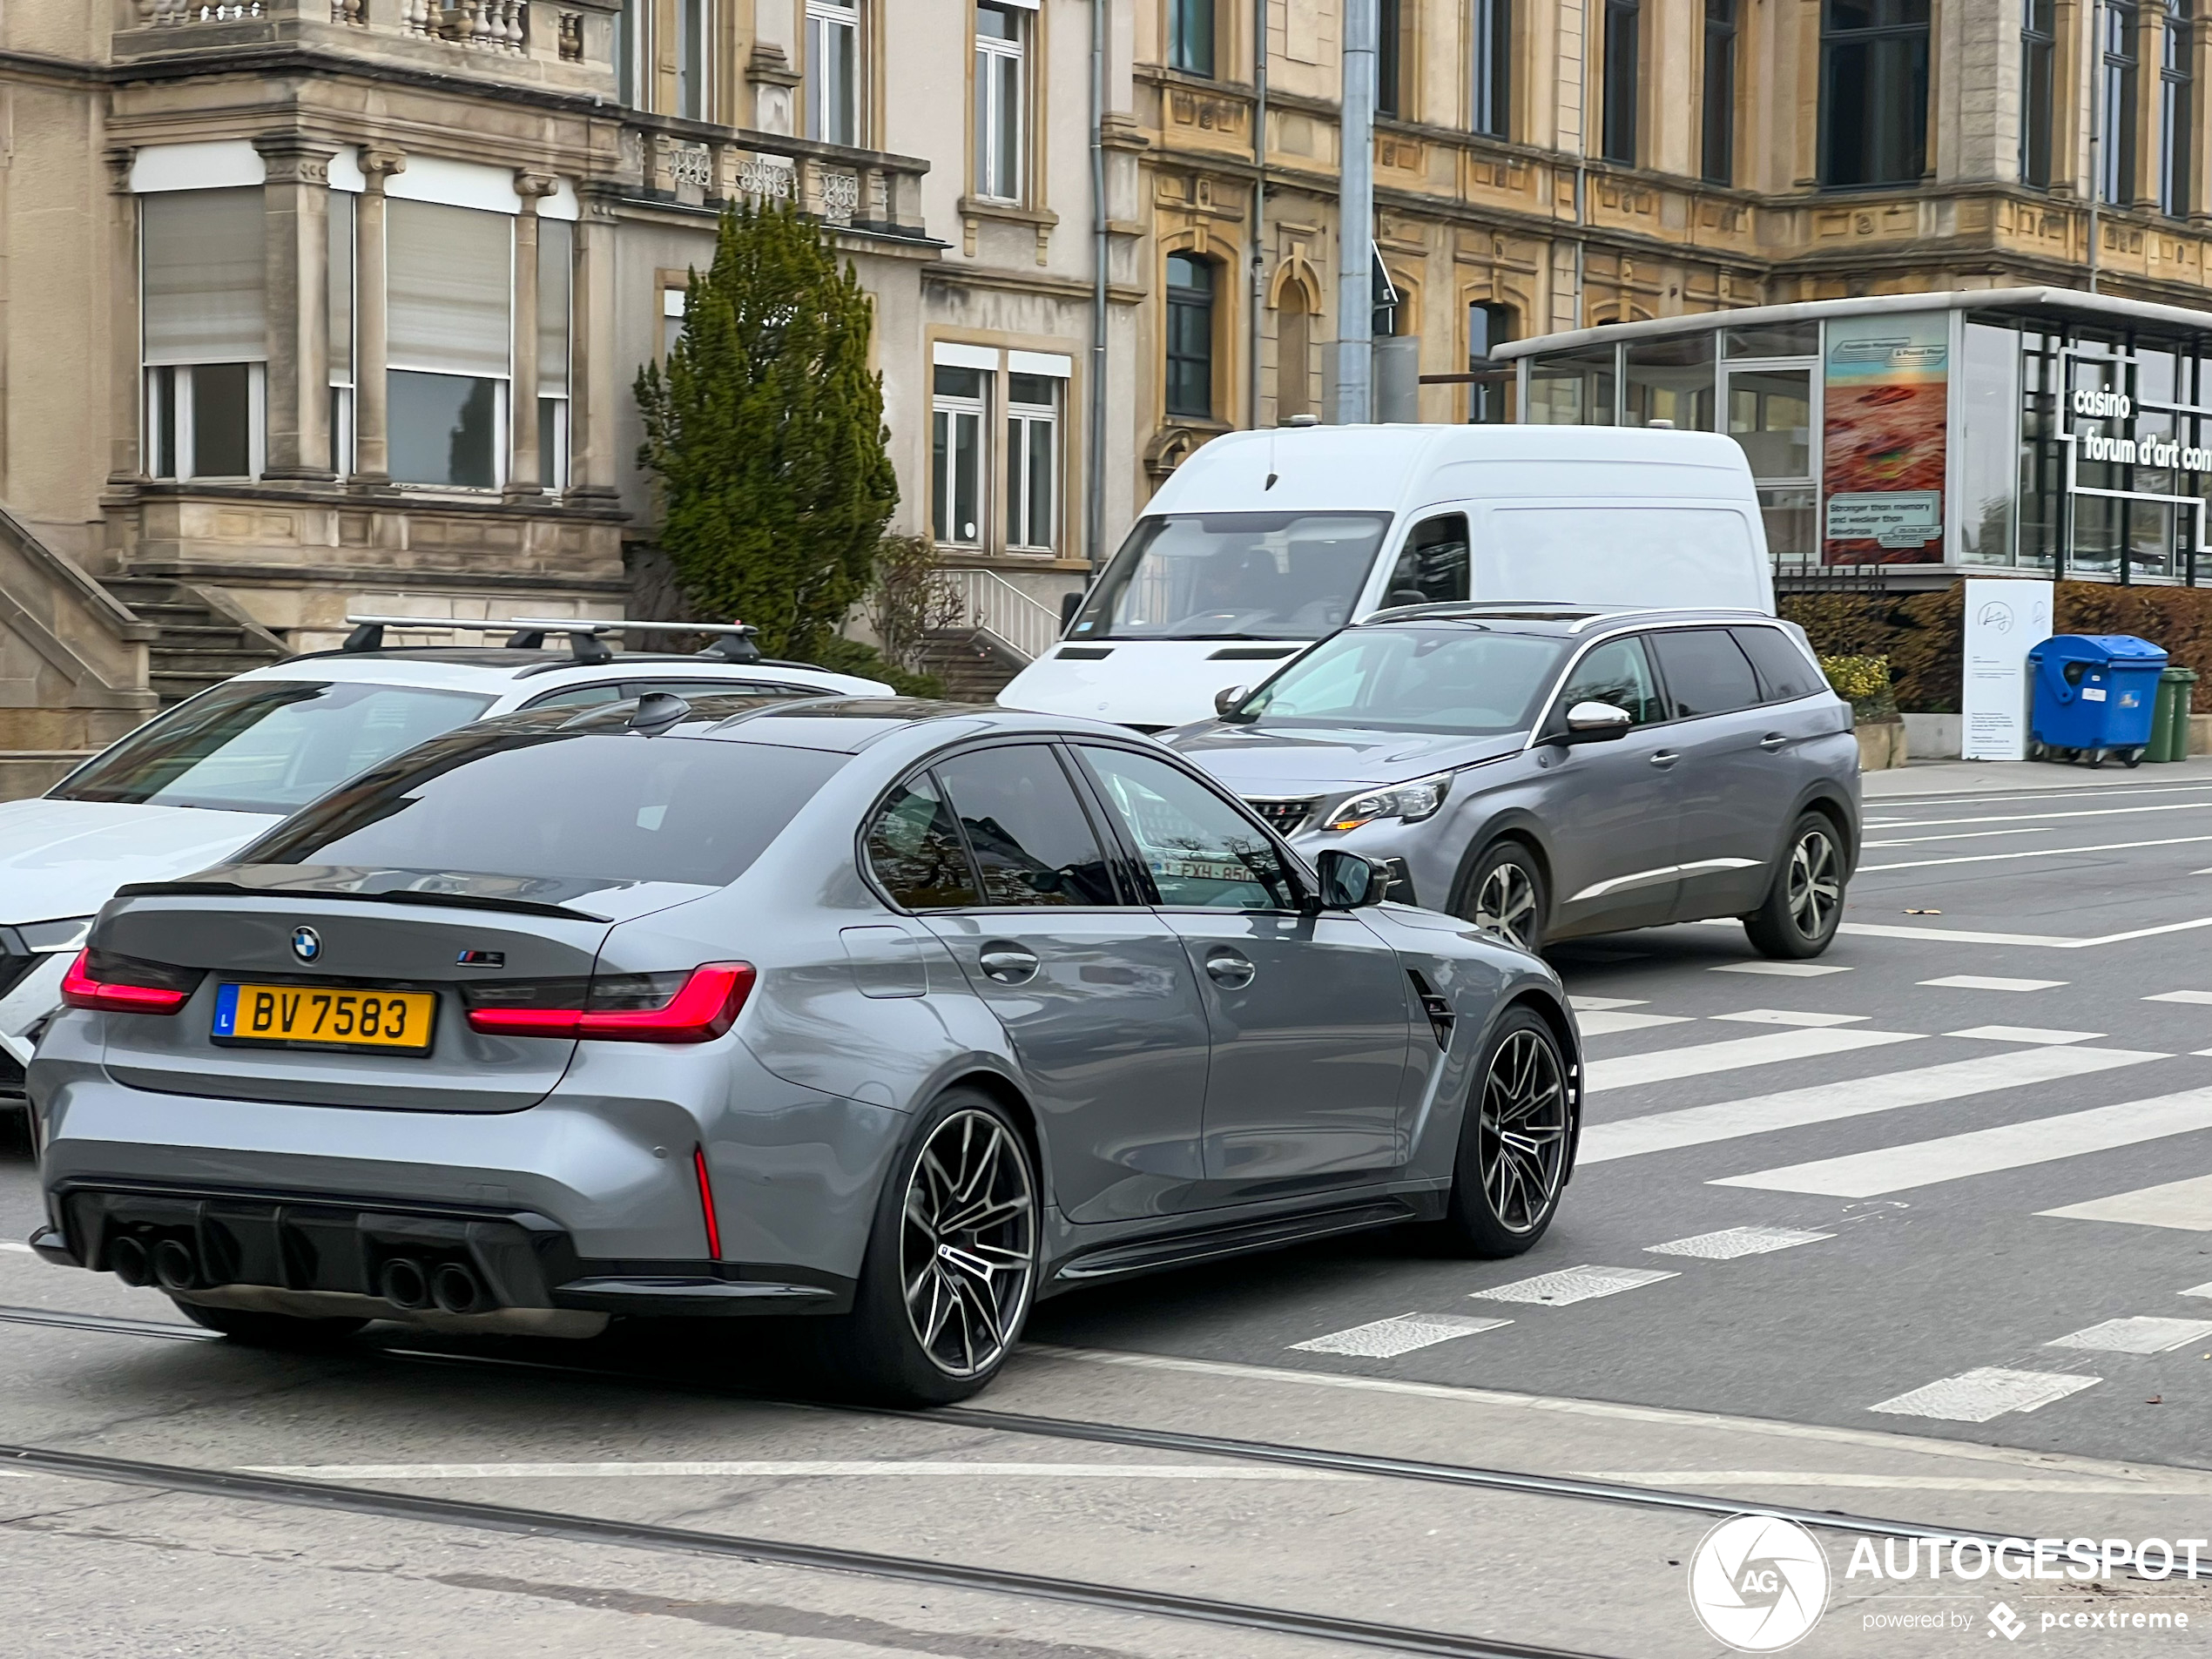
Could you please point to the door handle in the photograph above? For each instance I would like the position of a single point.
(1008, 964)
(1664, 758)
(1772, 741)
(1229, 970)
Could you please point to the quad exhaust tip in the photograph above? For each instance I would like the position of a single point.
(174, 1266)
(127, 1259)
(454, 1288)
(402, 1284)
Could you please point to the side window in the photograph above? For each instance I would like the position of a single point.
(1618, 673)
(1706, 674)
(1784, 675)
(1201, 851)
(1032, 843)
(1432, 567)
(578, 696)
(914, 849)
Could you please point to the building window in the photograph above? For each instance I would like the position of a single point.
(2116, 104)
(1618, 117)
(449, 304)
(1720, 92)
(1489, 395)
(340, 292)
(1000, 94)
(833, 71)
(1873, 91)
(956, 459)
(2039, 52)
(1189, 357)
(1190, 37)
(1032, 462)
(626, 49)
(2174, 103)
(1490, 108)
(1293, 357)
(1390, 58)
(203, 333)
(555, 272)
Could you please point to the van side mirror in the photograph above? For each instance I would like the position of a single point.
(1349, 881)
(1070, 603)
(1597, 723)
(1227, 700)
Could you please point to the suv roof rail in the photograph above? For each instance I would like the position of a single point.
(734, 642)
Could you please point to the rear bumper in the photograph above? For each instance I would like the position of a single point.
(326, 1247)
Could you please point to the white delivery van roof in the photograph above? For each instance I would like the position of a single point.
(1401, 468)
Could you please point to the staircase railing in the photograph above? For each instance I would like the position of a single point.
(1016, 622)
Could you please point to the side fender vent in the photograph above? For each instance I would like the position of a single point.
(1434, 1004)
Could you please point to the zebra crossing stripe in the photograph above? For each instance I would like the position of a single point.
(2183, 1204)
(1387, 1338)
(1770, 1048)
(1824, 1102)
(1985, 1391)
(2042, 1140)
(1605, 1022)
(2139, 1335)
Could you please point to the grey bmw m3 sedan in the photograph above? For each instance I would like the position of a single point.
(896, 1015)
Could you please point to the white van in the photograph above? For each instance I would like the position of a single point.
(1264, 541)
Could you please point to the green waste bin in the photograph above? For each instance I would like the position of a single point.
(2169, 726)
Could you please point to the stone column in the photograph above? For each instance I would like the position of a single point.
(126, 423)
(295, 206)
(525, 472)
(372, 442)
(594, 396)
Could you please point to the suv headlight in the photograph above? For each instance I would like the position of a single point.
(67, 934)
(1408, 802)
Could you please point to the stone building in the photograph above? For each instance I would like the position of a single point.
(310, 306)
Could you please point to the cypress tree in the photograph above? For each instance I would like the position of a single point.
(765, 430)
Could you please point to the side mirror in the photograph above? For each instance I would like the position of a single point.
(1597, 723)
(1225, 702)
(1349, 881)
(1070, 603)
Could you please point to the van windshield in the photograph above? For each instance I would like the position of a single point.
(1234, 575)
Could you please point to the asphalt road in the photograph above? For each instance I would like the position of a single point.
(1849, 1176)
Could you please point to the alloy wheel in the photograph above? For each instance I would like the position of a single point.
(1505, 904)
(967, 1243)
(1522, 1138)
(1815, 888)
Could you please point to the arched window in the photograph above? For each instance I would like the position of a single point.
(1293, 356)
(1189, 335)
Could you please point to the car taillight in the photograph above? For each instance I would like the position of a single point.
(696, 1007)
(113, 984)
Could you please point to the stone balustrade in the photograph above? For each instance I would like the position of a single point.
(696, 165)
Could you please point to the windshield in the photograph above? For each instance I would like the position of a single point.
(1234, 575)
(1451, 679)
(267, 745)
(612, 808)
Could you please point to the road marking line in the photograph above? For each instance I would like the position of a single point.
(2024, 1034)
(785, 1470)
(1986, 1391)
(9, 1243)
(2014, 797)
(2039, 853)
(1984, 983)
(1708, 1479)
(2196, 998)
(2183, 1204)
(1727, 1245)
(1781, 970)
(1572, 1284)
(1788, 1016)
(1987, 1151)
(1602, 1004)
(2048, 941)
(1387, 1338)
(1967, 835)
(2198, 1290)
(2137, 1335)
(1698, 1059)
(1605, 1022)
(1825, 1102)
(2094, 812)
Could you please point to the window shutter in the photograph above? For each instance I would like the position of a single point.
(204, 296)
(449, 288)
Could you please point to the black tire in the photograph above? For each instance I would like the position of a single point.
(1505, 892)
(269, 1330)
(1515, 1143)
(1804, 904)
(2131, 758)
(2096, 758)
(928, 1328)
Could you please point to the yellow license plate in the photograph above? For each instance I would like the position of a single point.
(326, 1016)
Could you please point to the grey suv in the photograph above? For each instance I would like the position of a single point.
(1553, 771)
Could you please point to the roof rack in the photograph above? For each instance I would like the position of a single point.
(734, 642)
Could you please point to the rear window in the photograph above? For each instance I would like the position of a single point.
(267, 745)
(580, 806)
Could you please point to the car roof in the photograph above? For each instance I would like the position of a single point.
(839, 724)
(496, 670)
(1562, 619)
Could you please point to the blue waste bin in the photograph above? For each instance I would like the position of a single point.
(2094, 696)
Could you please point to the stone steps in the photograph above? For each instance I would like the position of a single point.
(195, 646)
(972, 670)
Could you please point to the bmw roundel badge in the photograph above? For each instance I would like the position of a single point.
(306, 944)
